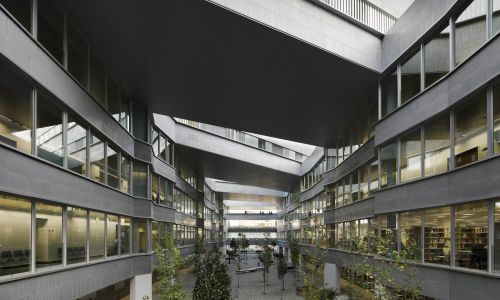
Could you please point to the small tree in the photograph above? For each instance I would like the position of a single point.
(294, 245)
(267, 257)
(282, 269)
(170, 263)
(213, 282)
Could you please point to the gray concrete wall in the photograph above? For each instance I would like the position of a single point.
(314, 25)
(74, 282)
(355, 211)
(312, 160)
(310, 193)
(474, 182)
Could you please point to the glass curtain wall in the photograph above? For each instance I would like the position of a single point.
(113, 167)
(50, 29)
(389, 86)
(97, 159)
(112, 235)
(411, 150)
(470, 131)
(125, 223)
(97, 223)
(437, 57)
(48, 235)
(77, 147)
(388, 165)
(470, 30)
(410, 78)
(15, 234)
(15, 108)
(411, 234)
(49, 131)
(21, 10)
(471, 235)
(496, 119)
(437, 146)
(140, 179)
(76, 235)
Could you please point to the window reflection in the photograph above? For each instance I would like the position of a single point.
(48, 235)
(470, 30)
(471, 235)
(78, 57)
(113, 98)
(125, 174)
(140, 178)
(437, 146)
(15, 234)
(388, 165)
(15, 110)
(77, 147)
(437, 57)
(140, 236)
(112, 235)
(49, 131)
(113, 165)
(411, 233)
(496, 241)
(411, 150)
(437, 233)
(76, 232)
(470, 131)
(50, 29)
(410, 77)
(125, 223)
(496, 119)
(496, 16)
(97, 84)
(97, 160)
(96, 235)
(21, 10)
(389, 86)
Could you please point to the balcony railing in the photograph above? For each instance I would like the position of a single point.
(363, 12)
(245, 138)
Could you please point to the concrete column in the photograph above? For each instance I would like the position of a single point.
(332, 276)
(141, 287)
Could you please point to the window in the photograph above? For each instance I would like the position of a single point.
(470, 30)
(347, 190)
(155, 191)
(496, 119)
(112, 235)
(373, 118)
(50, 29)
(470, 131)
(496, 17)
(48, 235)
(163, 147)
(339, 199)
(15, 109)
(155, 141)
(140, 236)
(437, 233)
(170, 152)
(140, 179)
(125, 113)
(155, 234)
(496, 241)
(354, 186)
(389, 86)
(471, 235)
(437, 146)
(354, 138)
(97, 84)
(15, 235)
(76, 233)
(388, 165)
(125, 235)
(140, 124)
(49, 131)
(364, 129)
(96, 235)
(125, 174)
(21, 10)
(389, 231)
(373, 176)
(97, 160)
(77, 147)
(410, 77)
(437, 57)
(161, 198)
(113, 98)
(113, 165)
(411, 233)
(364, 181)
(78, 57)
(411, 150)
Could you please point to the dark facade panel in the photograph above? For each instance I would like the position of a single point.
(355, 211)
(475, 182)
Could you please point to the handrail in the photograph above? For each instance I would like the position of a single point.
(245, 138)
(364, 12)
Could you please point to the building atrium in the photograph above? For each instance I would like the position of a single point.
(249, 149)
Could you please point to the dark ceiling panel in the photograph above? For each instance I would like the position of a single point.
(196, 60)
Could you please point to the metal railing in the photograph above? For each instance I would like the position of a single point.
(364, 12)
(245, 138)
